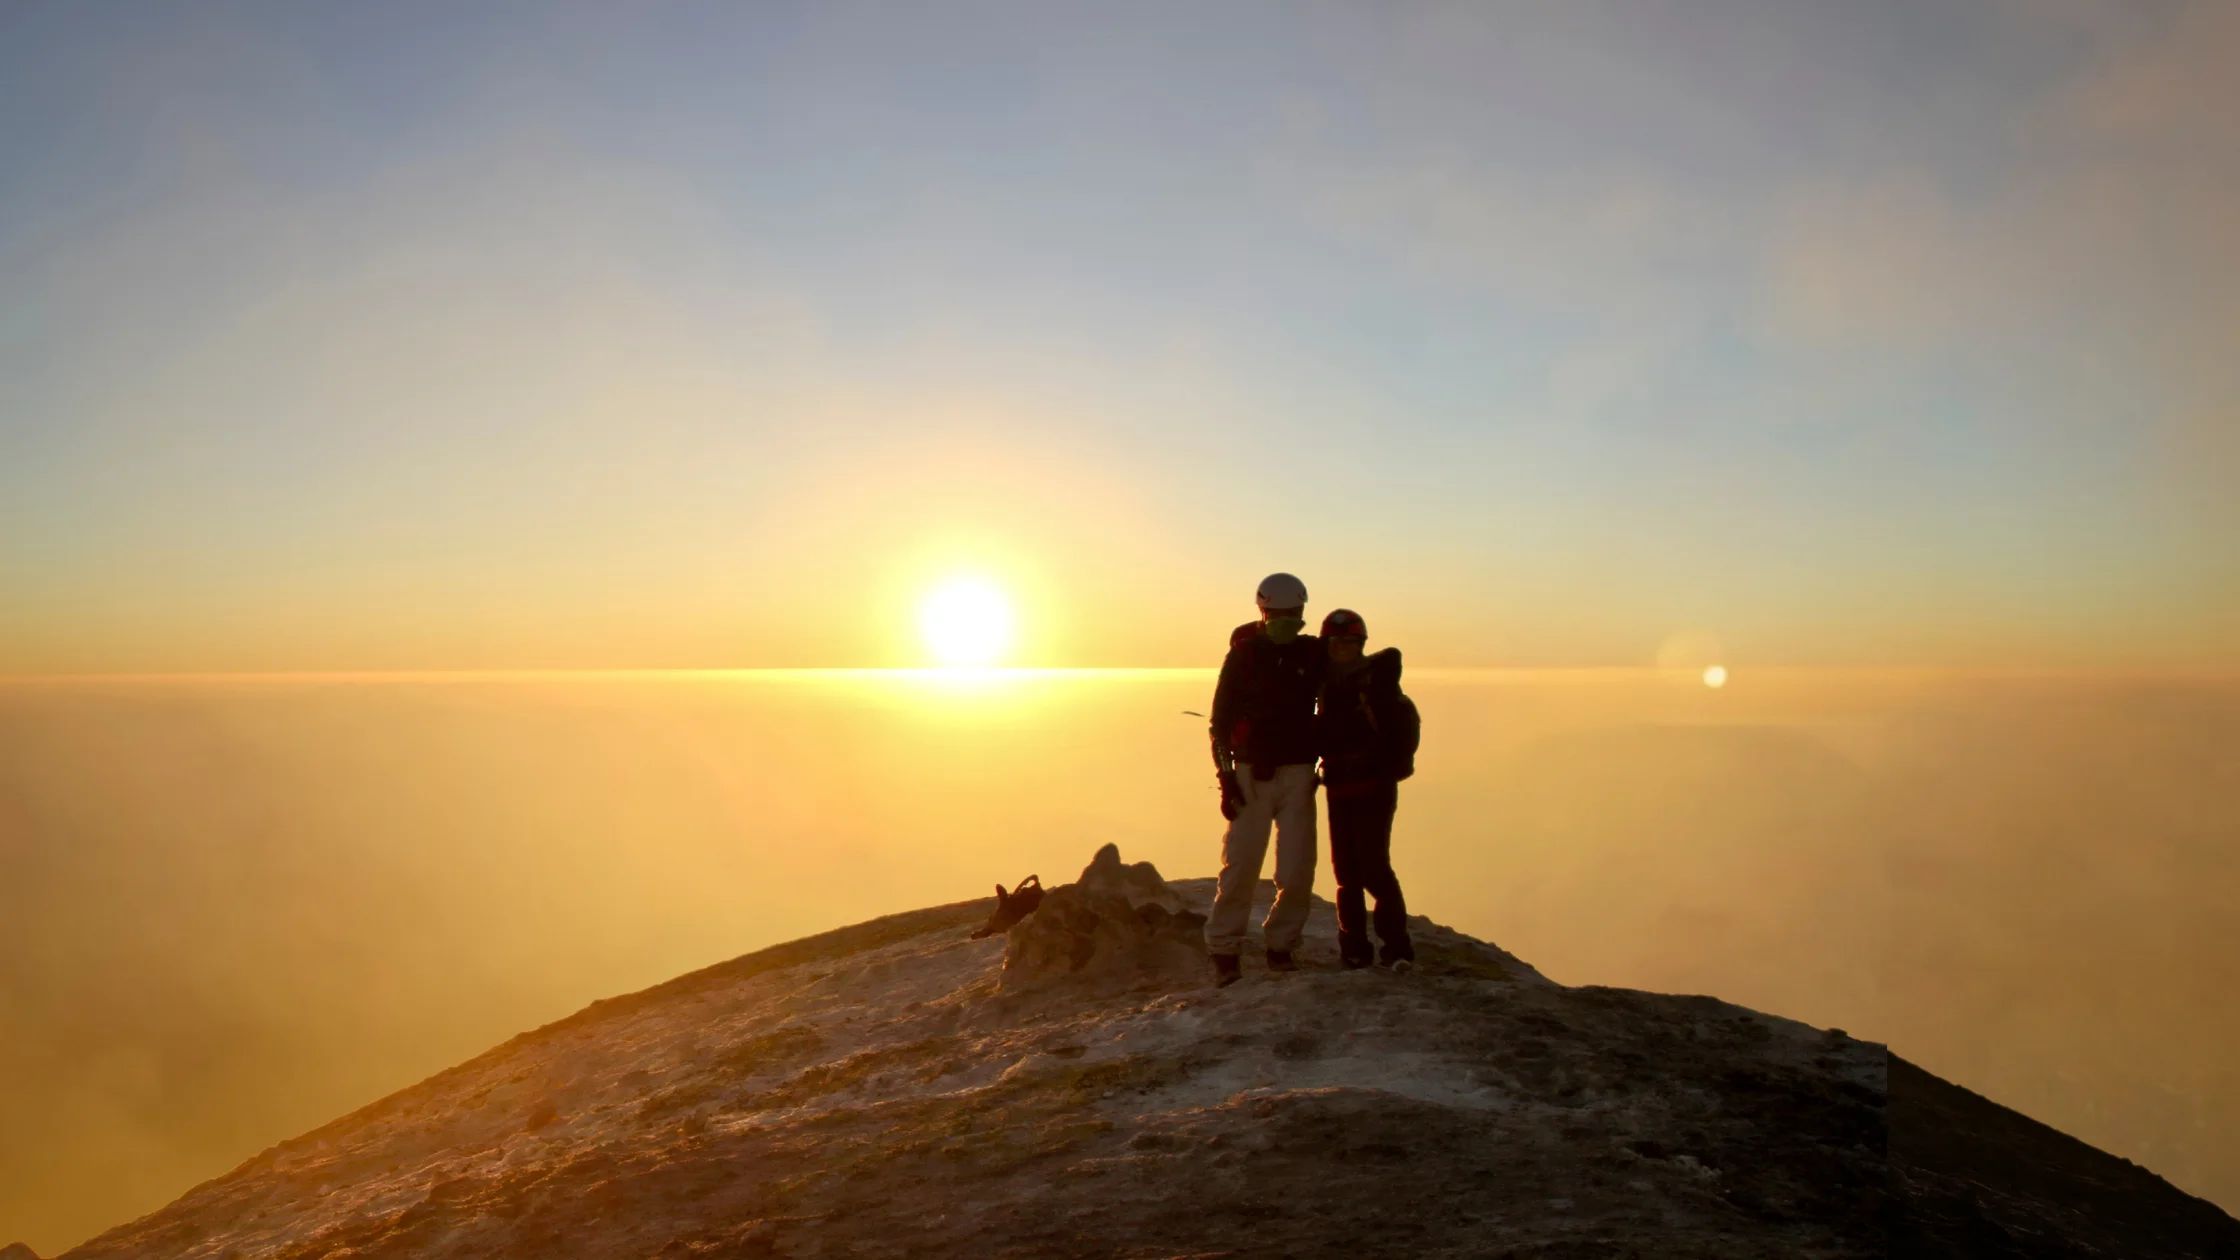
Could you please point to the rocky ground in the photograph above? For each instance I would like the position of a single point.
(1077, 1088)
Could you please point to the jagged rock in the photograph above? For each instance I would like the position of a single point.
(878, 1091)
(1117, 925)
(1139, 882)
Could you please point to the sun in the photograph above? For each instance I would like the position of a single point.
(967, 622)
(1715, 677)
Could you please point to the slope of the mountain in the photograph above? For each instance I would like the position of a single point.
(1077, 1088)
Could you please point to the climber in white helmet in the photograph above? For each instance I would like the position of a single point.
(1263, 732)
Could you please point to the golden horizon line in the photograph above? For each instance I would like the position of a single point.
(950, 672)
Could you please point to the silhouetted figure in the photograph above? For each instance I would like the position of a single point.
(1263, 732)
(1368, 731)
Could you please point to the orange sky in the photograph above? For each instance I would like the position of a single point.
(1541, 337)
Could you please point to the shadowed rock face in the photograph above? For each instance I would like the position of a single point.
(18, 1251)
(1978, 1180)
(898, 1089)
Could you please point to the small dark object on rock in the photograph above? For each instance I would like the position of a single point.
(1280, 960)
(1012, 906)
(1226, 970)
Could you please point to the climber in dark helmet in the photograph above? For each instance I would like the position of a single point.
(1368, 730)
(1263, 755)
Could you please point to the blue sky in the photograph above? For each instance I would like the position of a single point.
(548, 335)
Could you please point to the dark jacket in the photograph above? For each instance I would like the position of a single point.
(1263, 707)
(1359, 724)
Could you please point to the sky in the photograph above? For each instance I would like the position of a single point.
(710, 335)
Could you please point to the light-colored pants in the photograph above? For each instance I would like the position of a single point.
(1287, 800)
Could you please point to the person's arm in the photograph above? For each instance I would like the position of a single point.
(1224, 720)
(1219, 731)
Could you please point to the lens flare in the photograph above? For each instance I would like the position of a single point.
(967, 622)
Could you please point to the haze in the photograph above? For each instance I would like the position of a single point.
(236, 910)
(359, 362)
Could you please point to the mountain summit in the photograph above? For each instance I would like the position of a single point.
(1076, 1087)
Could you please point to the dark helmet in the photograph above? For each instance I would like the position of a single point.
(1344, 623)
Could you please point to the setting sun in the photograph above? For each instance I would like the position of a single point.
(967, 622)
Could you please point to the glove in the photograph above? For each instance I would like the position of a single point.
(1232, 796)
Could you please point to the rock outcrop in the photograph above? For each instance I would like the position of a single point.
(896, 1089)
(18, 1251)
(1117, 926)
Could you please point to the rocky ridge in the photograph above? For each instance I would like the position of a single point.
(1076, 1088)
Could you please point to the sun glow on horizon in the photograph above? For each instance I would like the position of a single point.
(968, 623)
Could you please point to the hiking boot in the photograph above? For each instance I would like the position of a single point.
(1226, 970)
(1280, 960)
(1402, 966)
(1356, 964)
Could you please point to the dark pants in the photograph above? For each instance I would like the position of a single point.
(1361, 856)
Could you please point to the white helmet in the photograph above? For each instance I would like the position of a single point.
(1281, 590)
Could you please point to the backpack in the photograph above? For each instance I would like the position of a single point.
(1012, 906)
(1399, 733)
(1399, 727)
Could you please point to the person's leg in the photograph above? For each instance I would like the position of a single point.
(1243, 848)
(1296, 851)
(1345, 863)
(1379, 879)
